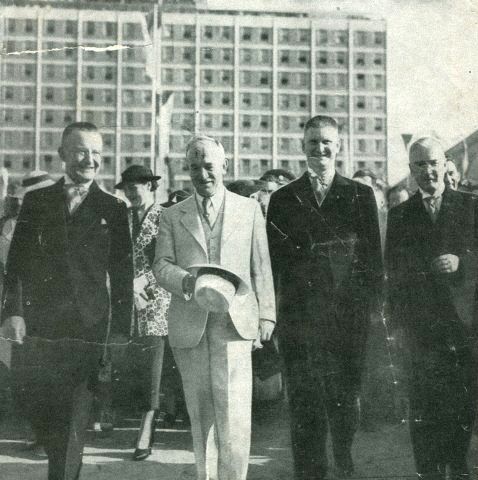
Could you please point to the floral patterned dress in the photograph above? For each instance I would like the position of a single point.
(152, 320)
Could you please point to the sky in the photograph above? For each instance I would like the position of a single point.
(432, 64)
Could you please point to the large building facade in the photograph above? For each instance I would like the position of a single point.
(61, 64)
(250, 79)
(253, 80)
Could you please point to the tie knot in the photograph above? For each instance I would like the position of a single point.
(206, 203)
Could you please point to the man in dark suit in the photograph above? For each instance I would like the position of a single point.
(326, 259)
(69, 238)
(431, 255)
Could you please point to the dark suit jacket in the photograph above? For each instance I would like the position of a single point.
(327, 262)
(419, 298)
(58, 264)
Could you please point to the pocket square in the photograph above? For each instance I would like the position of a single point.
(104, 222)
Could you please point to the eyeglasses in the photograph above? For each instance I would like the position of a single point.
(82, 154)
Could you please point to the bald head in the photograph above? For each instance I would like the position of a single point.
(207, 164)
(427, 164)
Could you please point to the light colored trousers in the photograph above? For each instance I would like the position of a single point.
(217, 381)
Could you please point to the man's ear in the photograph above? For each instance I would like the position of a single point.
(339, 145)
(225, 165)
(302, 143)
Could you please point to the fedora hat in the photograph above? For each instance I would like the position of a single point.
(35, 180)
(135, 174)
(216, 286)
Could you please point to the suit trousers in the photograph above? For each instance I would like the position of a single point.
(323, 393)
(442, 389)
(53, 383)
(217, 381)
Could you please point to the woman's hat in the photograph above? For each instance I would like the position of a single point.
(136, 174)
(216, 286)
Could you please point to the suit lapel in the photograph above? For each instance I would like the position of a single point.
(55, 218)
(191, 221)
(230, 221)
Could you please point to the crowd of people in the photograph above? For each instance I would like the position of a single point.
(281, 276)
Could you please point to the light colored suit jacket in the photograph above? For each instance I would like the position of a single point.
(244, 250)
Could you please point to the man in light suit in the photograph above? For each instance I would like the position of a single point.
(432, 262)
(213, 350)
(69, 238)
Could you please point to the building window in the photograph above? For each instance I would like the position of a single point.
(361, 145)
(341, 80)
(264, 122)
(379, 103)
(360, 38)
(226, 33)
(322, 102)
(226, 121)
(321, 80)
(264, 78)
(265, 144)
(284, 57)
(284, 35)
(187, 54)
(188, 32)
(378, 81)
(360, 124)
(264, 100)
(379, 124)
(378, 59)
(90, 28)
(167, 54)
(245, 144)
(379, 146)
(265, 35)
(360, 80)
(303, 58)
(246, 121)
(246, 99)
(284, 145)
(303, 103)
(284, 101)
(108, 96)
(246, 78)
(110, 28)
(28, 26)
(207, 76)
(167, 75)
(246, 55)
(284, 123)
(49, 94)
(226, 99)
(360, 102)
(226, 54)
(340, 102)
(187, 98)
(246, 34)
(90, 73)
(226, 77)
(323, 58)
(340, 58)
(284, 78)
(340, 37)
(304, 36)
(167, 31)
(70, 27)
(207, 98)
(360, 59)
(12, 25)
(109, 73)
(50, 27)
(322, 37)
(207, 121)
(379, 38)
(208, 32)
(264, 56)
(246, 166)
(28, 70)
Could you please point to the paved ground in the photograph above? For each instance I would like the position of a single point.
(383, 453)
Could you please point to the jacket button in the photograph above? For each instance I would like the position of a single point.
(28, 302)
(309, 283)
(298, 247)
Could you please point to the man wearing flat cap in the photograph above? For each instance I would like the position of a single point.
(213, 348)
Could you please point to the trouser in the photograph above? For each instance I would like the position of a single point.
(442, 390)
(148, 352)
(217, 381)
(322, 394)
(53, 381)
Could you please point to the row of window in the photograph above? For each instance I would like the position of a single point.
(287, 36)
(62, 28)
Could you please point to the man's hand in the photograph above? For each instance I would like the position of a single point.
(447, 263)
(14, 328)
(189, 283)
(266, 327)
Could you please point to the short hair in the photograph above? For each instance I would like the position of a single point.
(365, 172)
(278, 175)
(204, 138)
(82, 126)
(423, 142)
(321, 121)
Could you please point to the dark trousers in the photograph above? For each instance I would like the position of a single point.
(53, 383)
(323, 394)
(442, 390)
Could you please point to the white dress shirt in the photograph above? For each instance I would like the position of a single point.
(215, 205)
(321, 185)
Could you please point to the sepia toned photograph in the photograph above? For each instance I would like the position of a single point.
(238, 239)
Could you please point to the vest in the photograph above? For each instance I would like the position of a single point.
(213, 236)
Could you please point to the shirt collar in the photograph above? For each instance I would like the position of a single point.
(69, 182)
(328, 179)
(216, 199)
(437, 194)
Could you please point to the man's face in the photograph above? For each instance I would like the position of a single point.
(207, 167)
(427, 164)
(81, 152)
(452, 176)
(321, 146)
(137, 193)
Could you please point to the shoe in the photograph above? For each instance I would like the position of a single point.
(143, 453)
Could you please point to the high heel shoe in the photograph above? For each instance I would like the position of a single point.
(144, 453)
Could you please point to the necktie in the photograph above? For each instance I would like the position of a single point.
(75, 196)
(432, 207)
(319, 188)
(136, 223)
(206, 209)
